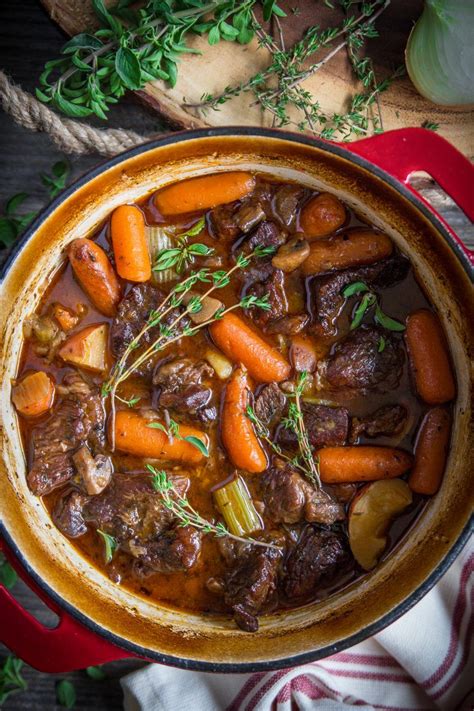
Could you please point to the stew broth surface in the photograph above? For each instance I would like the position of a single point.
(188, 589)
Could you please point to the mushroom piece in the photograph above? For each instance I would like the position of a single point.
(370, 516)
(95, 472)
(209, 307)
(291, 255)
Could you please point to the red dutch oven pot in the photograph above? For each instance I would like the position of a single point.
(372, 173)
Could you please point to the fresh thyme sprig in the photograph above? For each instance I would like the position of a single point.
(295, 422)
(368, 300)
(170, 333)
(134, 46)
(263, 433)
(188, 516)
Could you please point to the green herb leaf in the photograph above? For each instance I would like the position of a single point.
(357, 287)
(214, 35)
(96, 673)
(387, 322)
(200, 250)
(127, 67)
(198, 443)
(364, 304)
(11, 681)
(382, 343)
(8, 576)
(8, 231)
(110, 543)
(195, 229)
(14, 203)
(66, 693)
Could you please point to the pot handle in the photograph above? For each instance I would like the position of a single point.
(66, 647)
(400, 153)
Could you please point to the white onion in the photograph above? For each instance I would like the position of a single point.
(440, 52)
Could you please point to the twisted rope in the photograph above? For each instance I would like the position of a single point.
(69, 136)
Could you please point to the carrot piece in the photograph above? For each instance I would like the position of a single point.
(237, 432)
(242, 345)
(203, 193)
(429, 358)
(66, 318)
(347, 464)
(322, 215)
(431, 451)
(127, 228)
(95, 274)
(134, 436)
(34, 394)
(349, 249)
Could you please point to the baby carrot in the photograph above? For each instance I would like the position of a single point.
(127, 228)
(322, 215)
(347, 464)
(134, 435)
(203, 193)
(431, 451)
(95, 274)
(242, 345)
(349, 249)
(429, 358)
(237, 433)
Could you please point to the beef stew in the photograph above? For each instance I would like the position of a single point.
(213, 426)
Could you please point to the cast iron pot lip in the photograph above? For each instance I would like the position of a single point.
(418, 593)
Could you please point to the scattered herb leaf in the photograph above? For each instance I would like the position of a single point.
(66, 693)
(387, 322)
(110, 544)
(367, 301)
(382, 343)
(96, 673)
(11, 680)
(8, 576)
(357, 287)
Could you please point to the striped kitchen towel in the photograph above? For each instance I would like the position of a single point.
(424, 660)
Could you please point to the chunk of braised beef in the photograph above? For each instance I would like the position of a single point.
(317, 557)
(357, 363)
(257, 273)
(269, 403)
(182, 389)
(387, 421)
(286, 203)
(223, 223)
(67, 513)
(267, 234)
(326, 426)
(249, 215)
(289, 498)
(132, 314)
(326, 291)
(341, 492)
(130, 508)
(273, 289)
(288, 325)
(176, 549)
(131, 511)
(251, 584)
(76, 420)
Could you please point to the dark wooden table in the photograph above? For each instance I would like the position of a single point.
(27, 40)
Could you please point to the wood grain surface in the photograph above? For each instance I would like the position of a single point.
(27, 39)
(229, 63)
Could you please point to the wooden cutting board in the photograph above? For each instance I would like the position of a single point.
(332, 86)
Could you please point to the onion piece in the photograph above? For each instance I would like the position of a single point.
(34, 394)
(159, 238)
(440, 52)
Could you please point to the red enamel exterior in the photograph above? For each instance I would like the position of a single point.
(70, 645)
